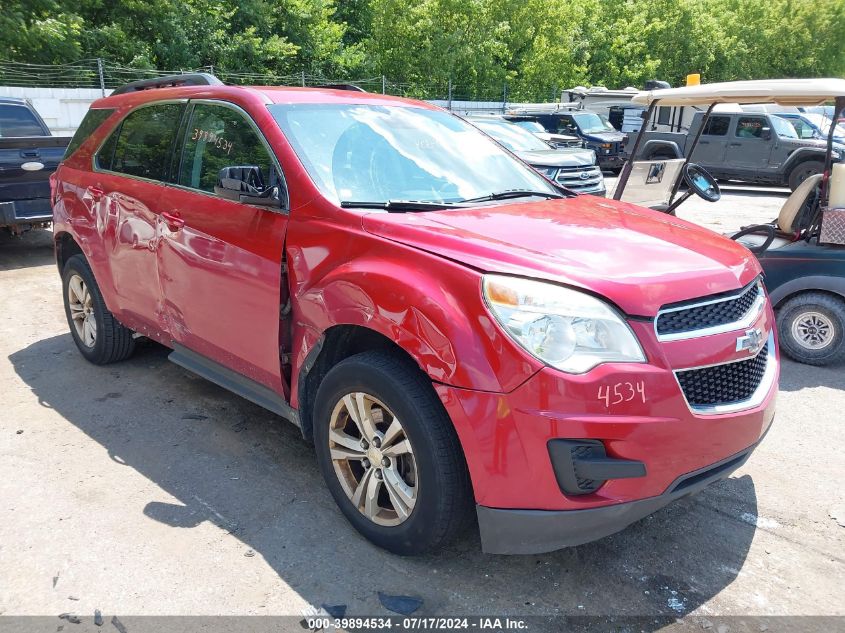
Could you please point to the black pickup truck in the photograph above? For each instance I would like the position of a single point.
(28, 155)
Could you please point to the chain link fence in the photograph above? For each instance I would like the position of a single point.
(104, 75)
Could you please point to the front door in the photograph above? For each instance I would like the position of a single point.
(751, 143)
(220, 260)
(710, 151)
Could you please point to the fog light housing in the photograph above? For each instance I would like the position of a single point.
(582, 466)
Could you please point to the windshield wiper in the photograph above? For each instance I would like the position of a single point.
(513, 193)
(400, 205)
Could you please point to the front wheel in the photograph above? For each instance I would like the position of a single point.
(811, 328)
(804, 170)
(389, 454)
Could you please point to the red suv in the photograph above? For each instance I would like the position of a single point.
(459, 336)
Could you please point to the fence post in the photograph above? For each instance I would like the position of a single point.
(383, 85)
(303, 78)
(102, 80)
(505, 98)
(450, 94)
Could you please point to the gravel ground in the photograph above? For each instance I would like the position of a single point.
(140, 489)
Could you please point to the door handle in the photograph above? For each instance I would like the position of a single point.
(96, 192)
(704, 142)
(172, 220)
(30, 153)
(734, 144)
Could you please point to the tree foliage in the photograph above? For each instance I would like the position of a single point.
(536, 47)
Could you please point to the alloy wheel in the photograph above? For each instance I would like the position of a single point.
(81, 304)
(813, 330)
(373, 459)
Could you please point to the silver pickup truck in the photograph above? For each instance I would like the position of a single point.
(28, 155)
(750, 147)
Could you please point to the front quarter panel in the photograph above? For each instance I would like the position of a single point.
(429, 306)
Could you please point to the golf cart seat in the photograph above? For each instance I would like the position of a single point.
(762, 237)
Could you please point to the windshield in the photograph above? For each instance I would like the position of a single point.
(515, 138)
(591, 123)
(372, 153)
(531, 126)
(822, 124)
(783, 127)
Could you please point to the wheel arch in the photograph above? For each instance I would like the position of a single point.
(817, 283)
(802, 155)
(66, 247)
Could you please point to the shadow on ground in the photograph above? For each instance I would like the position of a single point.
(33, 248)
(796, 376)
(234, 464)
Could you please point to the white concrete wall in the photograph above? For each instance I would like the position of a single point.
(61, 108)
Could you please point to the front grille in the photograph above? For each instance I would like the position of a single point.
(731, 383)
(571, 177)
(707, 315)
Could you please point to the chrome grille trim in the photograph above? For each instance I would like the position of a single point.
(744, 322)
(756, 399)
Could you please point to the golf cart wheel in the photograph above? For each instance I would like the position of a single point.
(811, 328)
(804, 170)
(390, 455)
(100, 337)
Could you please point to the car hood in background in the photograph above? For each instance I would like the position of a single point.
(637, 258)
(573, 157)
(606, 137)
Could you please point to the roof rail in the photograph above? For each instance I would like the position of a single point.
(170, 81)
(351, 87)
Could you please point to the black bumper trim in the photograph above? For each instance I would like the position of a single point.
(25, 212)
(507, 531)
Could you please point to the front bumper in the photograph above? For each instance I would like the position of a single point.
(506, 531)
(639, 414)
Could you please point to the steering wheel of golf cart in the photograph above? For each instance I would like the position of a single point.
(767, 230)
(701, 183)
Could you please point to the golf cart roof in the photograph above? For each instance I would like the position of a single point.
(780, 91)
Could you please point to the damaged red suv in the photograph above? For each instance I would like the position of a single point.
(458, 336)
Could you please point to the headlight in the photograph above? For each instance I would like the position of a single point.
(569, 330)
(606, 145)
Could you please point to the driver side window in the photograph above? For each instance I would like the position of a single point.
(217, 137)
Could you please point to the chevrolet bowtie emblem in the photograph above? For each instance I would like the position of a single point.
(752, 341)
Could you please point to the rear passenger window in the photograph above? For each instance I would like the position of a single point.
(217, 137)
(141, 146)
(717, 126)
(93, 119)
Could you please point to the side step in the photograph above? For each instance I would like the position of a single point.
(233, 381)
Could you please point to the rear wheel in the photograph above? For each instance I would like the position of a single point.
(389, 454)
(804, 170)
(98, 335)
(811, 328)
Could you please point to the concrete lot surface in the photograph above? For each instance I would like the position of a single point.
(140, 489)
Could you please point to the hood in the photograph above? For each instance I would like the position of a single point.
(574, 157)
(639, 259)
(606, 137)
(557, 138)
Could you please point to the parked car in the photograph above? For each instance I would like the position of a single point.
(596, 132)
(749, 147)
(575, 169)
(531, 124)
(813, 125)
(28, 155)
(454, 332)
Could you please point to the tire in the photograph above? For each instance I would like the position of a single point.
(804, 170)
(796, 320)
(434, 473)
(108, 341)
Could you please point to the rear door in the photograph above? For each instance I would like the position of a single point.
(220, 260)
(126, 192)
(751, 143)
(711, 148)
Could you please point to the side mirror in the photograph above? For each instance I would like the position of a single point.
(244, 183)
(766, 133)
